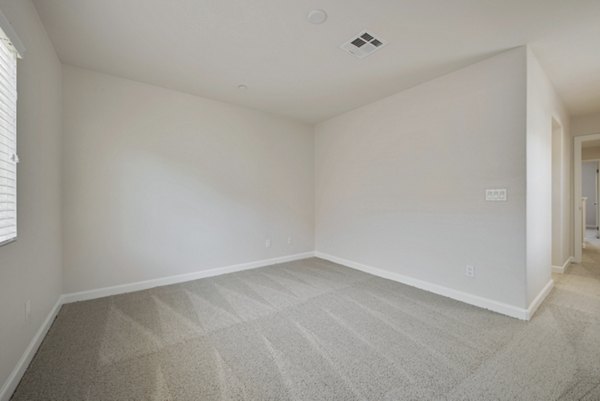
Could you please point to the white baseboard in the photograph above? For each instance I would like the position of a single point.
(486, 303)
(180, 278)
(563, 268)
(535, 304)
(15, 376)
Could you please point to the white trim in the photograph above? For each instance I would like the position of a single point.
(563, 268)
(486, 303)
(180, 278)
(535, 304)
(577, 160)
(15, 376)
(9, 31)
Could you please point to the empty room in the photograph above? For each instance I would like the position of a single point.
(299, 200)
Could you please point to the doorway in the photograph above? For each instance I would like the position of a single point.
(586, 213)
(589, 192)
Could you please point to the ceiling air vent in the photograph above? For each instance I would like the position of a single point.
(363, 44)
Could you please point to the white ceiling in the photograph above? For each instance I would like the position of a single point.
(294, 68)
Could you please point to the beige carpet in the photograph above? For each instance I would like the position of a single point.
(314, 330)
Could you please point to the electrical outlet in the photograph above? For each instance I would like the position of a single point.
(27, 309)
(470, 271)
(289, 240)
(267, 243)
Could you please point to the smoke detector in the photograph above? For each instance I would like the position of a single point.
(362, 45)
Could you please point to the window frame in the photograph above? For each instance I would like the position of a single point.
(13, 46)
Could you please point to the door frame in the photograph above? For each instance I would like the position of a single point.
(597, 203)
(596, 199)
(577, 191)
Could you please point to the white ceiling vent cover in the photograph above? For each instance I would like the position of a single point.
(363, 44)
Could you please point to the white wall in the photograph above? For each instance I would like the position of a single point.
(159, 183)
(585, 125)
(544, 106)
(558, 143)
(30, 269)
(592, 153)
(400, 183)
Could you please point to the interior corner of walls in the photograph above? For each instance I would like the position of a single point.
(564, 267)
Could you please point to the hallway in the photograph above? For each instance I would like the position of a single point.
(591, 240)
(574, 304)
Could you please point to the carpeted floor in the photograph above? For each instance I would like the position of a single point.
(314, 330)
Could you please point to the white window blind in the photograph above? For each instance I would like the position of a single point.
(8, 140)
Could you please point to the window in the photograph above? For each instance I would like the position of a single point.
(8, 140)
